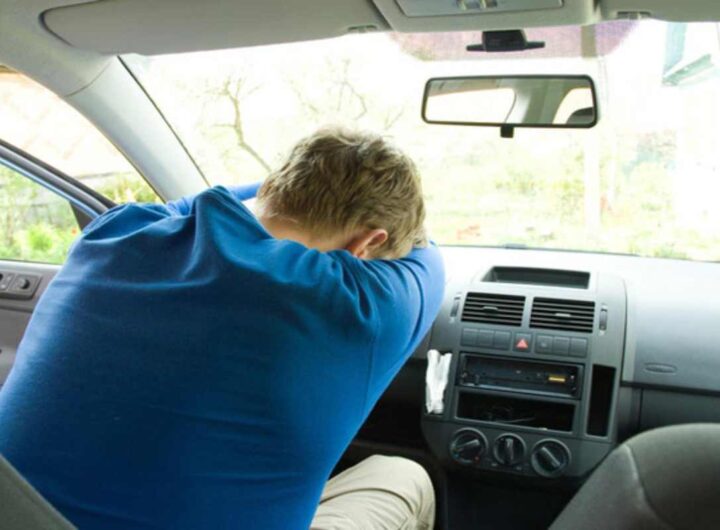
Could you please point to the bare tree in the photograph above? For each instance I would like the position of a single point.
(344, 86)
(343, 98)
(234, 90)
(392, 116)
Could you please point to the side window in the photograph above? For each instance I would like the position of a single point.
(35, 223)
(37, 121)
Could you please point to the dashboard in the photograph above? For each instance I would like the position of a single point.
(556, 358)
(559, 356)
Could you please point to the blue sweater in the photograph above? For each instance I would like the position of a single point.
(187, 370)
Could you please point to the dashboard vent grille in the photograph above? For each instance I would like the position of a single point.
(487, 308)
(565, 315)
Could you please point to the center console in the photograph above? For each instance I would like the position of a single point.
(533, 382)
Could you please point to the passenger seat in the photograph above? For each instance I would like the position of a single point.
(664, 479)
(23, 508)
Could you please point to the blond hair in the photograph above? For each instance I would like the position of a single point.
(338, 180)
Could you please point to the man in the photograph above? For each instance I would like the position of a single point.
(196, 366)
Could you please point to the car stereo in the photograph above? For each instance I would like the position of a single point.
(552, 379)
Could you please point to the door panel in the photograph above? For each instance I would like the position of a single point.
(15, 314)
(41, 212)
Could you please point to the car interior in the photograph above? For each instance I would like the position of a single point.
(568, 150)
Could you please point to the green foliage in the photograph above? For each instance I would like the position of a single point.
(37, 225)
(46, 243)
(127, 187)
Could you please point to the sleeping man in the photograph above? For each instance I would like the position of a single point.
(195, 365)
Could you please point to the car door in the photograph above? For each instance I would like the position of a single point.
(41, 212)
(57, 172)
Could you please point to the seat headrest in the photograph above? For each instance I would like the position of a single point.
(583, 116)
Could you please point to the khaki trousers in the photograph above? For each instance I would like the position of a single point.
(379, 493)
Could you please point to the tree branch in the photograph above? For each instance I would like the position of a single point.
(234, 94)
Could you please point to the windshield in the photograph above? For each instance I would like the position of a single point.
(645, 181)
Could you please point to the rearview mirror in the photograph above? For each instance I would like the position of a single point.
(512, 101)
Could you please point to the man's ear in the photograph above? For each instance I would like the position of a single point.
(364, 244)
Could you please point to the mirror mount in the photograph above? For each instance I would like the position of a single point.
(513, 40)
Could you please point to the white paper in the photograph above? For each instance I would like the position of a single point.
(436, 378)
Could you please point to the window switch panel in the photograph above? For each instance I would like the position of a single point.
(18, 286)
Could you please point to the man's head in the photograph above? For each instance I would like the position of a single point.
(344, 189)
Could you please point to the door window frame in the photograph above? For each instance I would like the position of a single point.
(85, 202)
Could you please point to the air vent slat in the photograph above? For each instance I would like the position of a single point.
(509, 308)
(561, 326)
(550, 318)
(564, 315)
(490, 320)
(497, 313)
(563, 310)
(552, 304)
(490, 308)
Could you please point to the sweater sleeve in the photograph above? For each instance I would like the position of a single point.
(184, 205)
(406, 295)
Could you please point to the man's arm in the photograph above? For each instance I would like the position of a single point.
(180, 207)
(416, 285)
(406, 294)
(241, 193)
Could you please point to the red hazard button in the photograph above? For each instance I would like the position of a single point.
(522, 341)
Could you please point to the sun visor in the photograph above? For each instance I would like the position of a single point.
(169, 26)
(671, 10)
(468, 15)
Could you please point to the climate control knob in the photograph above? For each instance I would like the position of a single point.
(468, 446)
(550, 458)
(509, 450)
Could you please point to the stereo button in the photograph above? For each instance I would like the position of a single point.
(501, 340)
(469, 337)
(561, 345)
(578, 347)
(543, 344)
(485, 339)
